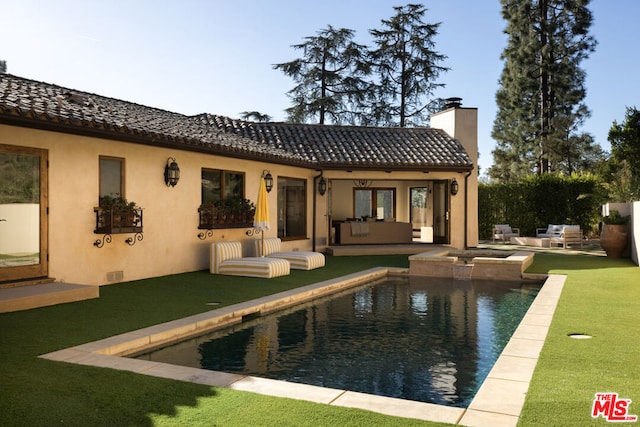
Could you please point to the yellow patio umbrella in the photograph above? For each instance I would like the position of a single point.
(261, 217)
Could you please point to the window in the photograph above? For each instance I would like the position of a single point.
(111, 177)
(292, 208)
(379, 203)
(219, 184)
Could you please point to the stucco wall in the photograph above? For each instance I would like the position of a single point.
(170, 244)
(462, 124)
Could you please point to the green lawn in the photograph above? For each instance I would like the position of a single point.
(601, 298)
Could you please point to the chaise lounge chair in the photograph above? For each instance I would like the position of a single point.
(226, 258)
(299, 260)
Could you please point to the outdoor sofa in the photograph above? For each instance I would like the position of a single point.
(561, 235)
(226, 258)
(299, 260)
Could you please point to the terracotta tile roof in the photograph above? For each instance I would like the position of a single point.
(30, 103)
(35, 104)
(337, 146)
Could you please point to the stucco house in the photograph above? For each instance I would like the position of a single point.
(62, 150)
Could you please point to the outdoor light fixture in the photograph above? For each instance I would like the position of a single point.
(454, 187)
(268, 180)
(171, 172)
(322, 186)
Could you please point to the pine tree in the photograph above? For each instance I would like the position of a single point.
(329, 78)
(405, 66)
(542, 89)
(623, 179)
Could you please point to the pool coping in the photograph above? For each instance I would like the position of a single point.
(497, 403)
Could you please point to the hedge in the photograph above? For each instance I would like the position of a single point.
(537, 201)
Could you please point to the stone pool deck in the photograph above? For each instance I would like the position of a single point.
(497, 403)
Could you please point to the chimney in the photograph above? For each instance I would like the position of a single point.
(460, 123)
(454, 102)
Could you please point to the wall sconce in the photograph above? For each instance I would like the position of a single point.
(322, 186)
(268, 180)
(171, 172)
(454, 187)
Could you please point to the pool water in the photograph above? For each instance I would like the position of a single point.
(422, 339)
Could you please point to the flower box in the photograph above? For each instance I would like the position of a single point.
(118, 221)
(115, 215)
(227, 213)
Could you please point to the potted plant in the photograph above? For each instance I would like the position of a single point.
(115, 214)
(614, 234)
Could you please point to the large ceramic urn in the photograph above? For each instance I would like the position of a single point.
(613, 239)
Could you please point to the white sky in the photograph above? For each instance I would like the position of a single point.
(216, 56)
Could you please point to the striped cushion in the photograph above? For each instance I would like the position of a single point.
(271, 245)
(298, 260)
(221, 252)
(226, 258)
(301, 260)
(255, 267)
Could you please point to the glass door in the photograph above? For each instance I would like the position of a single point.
(419, 197)
(441, 212)
(23, 222)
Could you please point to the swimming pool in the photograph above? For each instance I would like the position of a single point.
(498, 401)
(416, 338)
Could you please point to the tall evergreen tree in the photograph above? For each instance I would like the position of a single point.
(3, 66)
(405, 66)
(329, 78)
(542, 89)
(623, 179)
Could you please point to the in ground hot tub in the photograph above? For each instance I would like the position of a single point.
(471, 264)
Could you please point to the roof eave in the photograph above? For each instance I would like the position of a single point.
(32, 121)
(395, 168)
(149, 138)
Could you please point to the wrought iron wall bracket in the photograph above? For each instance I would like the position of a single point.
(204, 234)
(132, 240)
(100, 242)
(107, 239)
(250, 232)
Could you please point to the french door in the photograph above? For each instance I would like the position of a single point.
(23, 213)
(441, 212)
